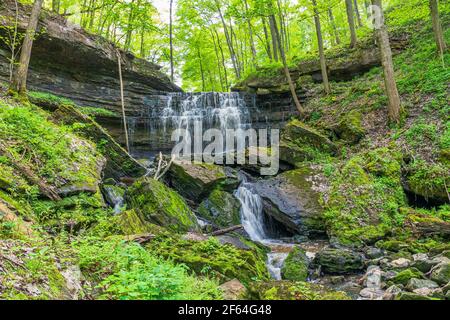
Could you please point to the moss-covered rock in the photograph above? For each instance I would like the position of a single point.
(350, 128)
(300, 142)
(161, 205)
(221, 208)
(404, 276)
(441, 273)
(210, 257)
(339, 261)
(290, 290)
(195, 181)
(295, 266)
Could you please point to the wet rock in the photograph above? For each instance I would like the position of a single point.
(414, 284)
(233, 290)
(441, 273)
(300, 215)
(234, 241)
(371, 294)
(295, 266)
(339, 261)
(114, 196)
(392, 292)
(194, 181)
(422, 262)
(300, 142)
(73, 278)
(161, 205)
(374, 253)
(428, 292)
(373, 277)
(221, 208)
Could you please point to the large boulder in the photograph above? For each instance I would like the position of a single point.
(441, 273)
(292, 290)
(161, 205)
(221, 208)
(195, 180)
(300, 142)
(282, 200)
(339, 261)
(295, 266)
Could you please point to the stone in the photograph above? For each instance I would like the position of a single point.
(373, 277)
(429, 292)
(422, 262)
(411, 296)
(300, 142)
(400, 263)
(414, 284)
(292, 290)
(339, 261)
(295, 266)
(391, 292)
(441, 273)
(404, 276)
(233, 290)
(233, 240)
(301, 215)
(161, 205)
(374, 253)
(371, 294)
(73, 278)
(221, 208)
(194, 181)
(350, 127)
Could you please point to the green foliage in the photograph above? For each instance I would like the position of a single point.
(126, 271)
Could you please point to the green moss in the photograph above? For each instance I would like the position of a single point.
(211, 258)
(404, 276)
(221, 208)
(290, 290)
(295, 266)
(350, 127)
(161, 205)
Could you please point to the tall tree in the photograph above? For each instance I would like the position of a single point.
(56, 5)
(285, 65)
(171, 41)
(323, 63)
(351, 23)
(250, 30)
(358, 15)
(19, 82)
(386, 61)
(437, 28)
(333, 26)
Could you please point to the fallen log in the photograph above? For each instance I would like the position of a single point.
(227, 230)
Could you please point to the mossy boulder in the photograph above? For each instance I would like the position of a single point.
(350, 128)
(441, 273)
(221, 208)
(295, 266)
(281, 200)
(403, 277)
(300, 142)
(210, 257)
(339, 261)
(161, 205)
(195, 181)
(291, 290)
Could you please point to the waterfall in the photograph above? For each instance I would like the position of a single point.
(252, 216)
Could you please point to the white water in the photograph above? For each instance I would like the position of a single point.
(252, 218)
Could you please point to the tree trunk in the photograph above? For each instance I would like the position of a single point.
(286, 68)
(250, 30)
(437, 28)
(323, 63)
(129, 28)
(333, 26)
(351, 23)
(388, 66)
(358, 15)
(19, 83)
(272, 24)
(122, 100)
(219, 67)
(219, 43)
(229, 42)
(171, 42)
(201, 69)
(266, 36)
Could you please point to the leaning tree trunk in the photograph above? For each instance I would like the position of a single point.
(437, 28)
(388, 66)
(286, 68)
(323, 63)
(19, 82)
(351, 23)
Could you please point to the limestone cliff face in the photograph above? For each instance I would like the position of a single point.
(68, 61)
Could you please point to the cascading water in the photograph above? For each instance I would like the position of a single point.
(252, 219)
